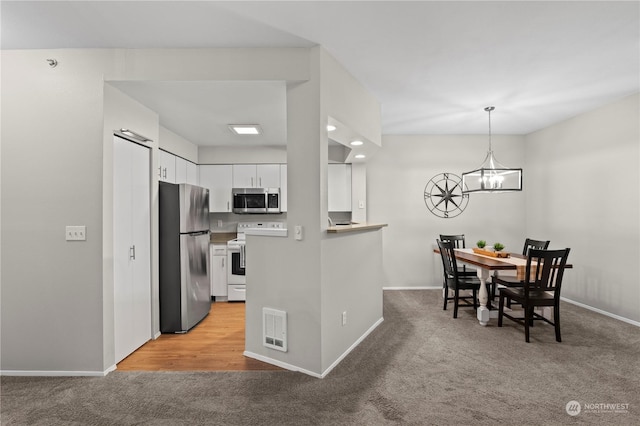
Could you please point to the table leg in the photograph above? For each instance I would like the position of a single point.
(483, 311)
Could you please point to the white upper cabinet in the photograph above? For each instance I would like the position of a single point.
(167, 167)
(181, 170)
(339, 187)
(256, 175)
(219, 180)
(192, 173)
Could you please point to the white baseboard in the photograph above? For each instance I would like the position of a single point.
(413, 288)
(291, 367)
(57, 373)
(600, 311)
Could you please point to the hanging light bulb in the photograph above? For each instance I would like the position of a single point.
(491, 176)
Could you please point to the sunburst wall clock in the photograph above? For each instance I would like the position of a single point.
(443, 195)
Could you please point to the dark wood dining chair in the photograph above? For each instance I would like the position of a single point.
(542, 284)
(454, 281)
(528, 245)
(536, 244)
(459, 242)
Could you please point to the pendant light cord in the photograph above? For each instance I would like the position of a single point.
(489, 109)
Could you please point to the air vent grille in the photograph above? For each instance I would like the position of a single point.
(274, 329)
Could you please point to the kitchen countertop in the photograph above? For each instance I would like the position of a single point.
(355, 227)
(221, 237)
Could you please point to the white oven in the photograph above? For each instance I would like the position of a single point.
(237, 259)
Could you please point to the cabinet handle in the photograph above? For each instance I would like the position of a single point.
(227, 206)
(165, 173)
(132, 252)
(259, 182)
(159, 171)
(252, 182)
(223, 262)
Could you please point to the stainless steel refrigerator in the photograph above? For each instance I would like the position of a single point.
(185, 294)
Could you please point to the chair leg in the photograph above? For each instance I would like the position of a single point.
(500, 309)
(445, 296)
(556, 322)
(455, 303)
(527, 317)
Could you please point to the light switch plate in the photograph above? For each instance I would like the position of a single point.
(76, 233)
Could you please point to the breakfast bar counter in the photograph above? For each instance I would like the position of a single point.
(355, 227)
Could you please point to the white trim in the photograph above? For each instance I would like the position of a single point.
(352, 347)
(291, 367)
(57, 373)
(600, 311)
(413, 288)
(281, 364)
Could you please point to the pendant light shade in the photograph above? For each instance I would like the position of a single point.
(491, 176)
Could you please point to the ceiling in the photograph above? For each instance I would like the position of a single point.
(433, 65)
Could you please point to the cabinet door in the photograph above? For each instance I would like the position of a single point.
(192, 173)
(131, 247)
(339, 187)
(283, 187)
(268, 175)
(218, 179)
(167, 170)
(181, 170)
(244, 176)
(218, 270)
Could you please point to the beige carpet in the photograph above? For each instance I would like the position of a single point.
(419, 367)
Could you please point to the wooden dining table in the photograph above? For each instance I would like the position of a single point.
(487, 266)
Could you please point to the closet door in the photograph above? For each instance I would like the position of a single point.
(132, 247)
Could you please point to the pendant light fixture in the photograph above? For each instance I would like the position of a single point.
(491, 176)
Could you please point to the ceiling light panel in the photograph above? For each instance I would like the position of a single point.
(245, 129)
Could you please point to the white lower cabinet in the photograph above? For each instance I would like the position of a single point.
(218, 253)
(131, 247)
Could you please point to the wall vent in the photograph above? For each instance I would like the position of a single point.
(274, 329)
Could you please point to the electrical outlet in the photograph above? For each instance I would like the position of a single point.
(76, 233)
(344, 318)
(361, 204)
(298, 232)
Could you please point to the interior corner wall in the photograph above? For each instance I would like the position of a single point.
(583, 191)
(52, 148)
(121, 111)
(396, 180)
(285, 273)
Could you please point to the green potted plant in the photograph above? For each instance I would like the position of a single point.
(498, 246)
(481, 243)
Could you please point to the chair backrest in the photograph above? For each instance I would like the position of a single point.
(448, 260)
(545, 269)
(458, 240)
(535, 244)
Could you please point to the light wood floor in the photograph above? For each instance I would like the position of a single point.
(216, 344)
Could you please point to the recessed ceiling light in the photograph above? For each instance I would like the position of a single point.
(361, 156)
(245, 129)
(357, 143)
(331, 127)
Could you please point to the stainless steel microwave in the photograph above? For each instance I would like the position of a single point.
(256, 200)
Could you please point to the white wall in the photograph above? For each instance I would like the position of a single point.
(396, 180)
(52, 166)
(239, 155)
(177, 145)
(582, 178)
